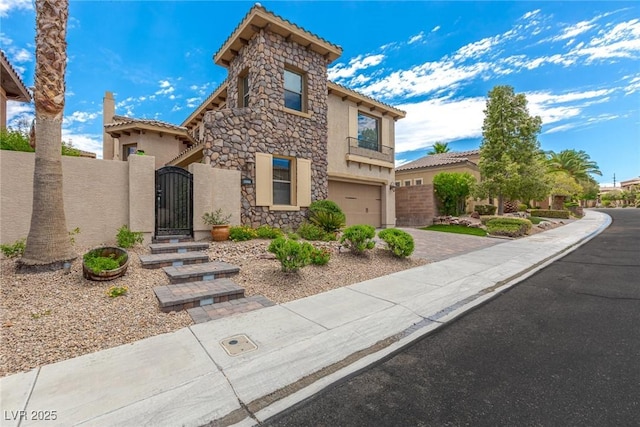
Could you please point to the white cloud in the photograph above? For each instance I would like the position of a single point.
(400, 162)
(164, 83)
(436, 28)
(416, 38)
(193, 102)
(7, 6)
(530, 14)
(19, 114)
(79, 117)
(84, 141)
(360, 62)
(22, 55)
(476, 49)
(575, 30)
(439, 120)
(621, 41)
(561, 128)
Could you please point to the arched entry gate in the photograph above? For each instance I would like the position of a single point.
(174, 202)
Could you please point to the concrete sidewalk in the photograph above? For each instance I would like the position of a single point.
(188, 378)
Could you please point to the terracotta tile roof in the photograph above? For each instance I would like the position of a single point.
(123, 120)
(441, 159)
(335, 87)
(12, 83)
(260, 13)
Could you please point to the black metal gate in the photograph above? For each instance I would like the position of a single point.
(174, 202)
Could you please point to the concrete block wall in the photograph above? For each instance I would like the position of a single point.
(415, 206)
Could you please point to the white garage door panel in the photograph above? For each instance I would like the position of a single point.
(361, 203)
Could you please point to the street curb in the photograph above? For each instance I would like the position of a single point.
(410, 336)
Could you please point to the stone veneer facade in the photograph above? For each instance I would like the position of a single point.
(233, 135)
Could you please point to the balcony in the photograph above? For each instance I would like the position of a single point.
(370, 152)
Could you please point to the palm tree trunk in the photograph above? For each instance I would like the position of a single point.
(48, 242)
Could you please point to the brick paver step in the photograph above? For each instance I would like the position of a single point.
(197, 294)
(229, 308)
(172, 239)
(205, 271)
(172, 259)
(179, 247)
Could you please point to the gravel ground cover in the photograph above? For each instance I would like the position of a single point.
(53, 316)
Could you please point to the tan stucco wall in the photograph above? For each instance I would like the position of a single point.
(163, 147)
(213, 189)
(341, 126)
(96, 197)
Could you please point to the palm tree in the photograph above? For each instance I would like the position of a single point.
(439, 148)
(48, 242)
(577, 164)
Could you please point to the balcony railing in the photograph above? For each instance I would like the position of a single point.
(370, 150)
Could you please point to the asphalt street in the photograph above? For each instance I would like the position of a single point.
(561, 348)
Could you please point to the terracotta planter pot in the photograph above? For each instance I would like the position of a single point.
(220, 233)
(107, 274)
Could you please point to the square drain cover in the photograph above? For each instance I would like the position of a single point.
(237, 345)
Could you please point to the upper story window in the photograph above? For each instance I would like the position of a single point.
(294, 90)
(243, 90)
(129, 150)
(368, 132)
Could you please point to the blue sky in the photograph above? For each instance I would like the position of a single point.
(577, 62)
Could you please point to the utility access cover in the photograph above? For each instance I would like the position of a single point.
(238, 344)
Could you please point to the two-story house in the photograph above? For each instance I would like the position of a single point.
(295, 136)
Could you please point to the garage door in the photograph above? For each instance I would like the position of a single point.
(361, 203)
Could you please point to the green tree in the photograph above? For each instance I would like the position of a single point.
(452, 189)
(563, 186)
(577, 164)
(511, 162)
(439, 148)
(48, 241)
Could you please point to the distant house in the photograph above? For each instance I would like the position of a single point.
(422, 170)
(11, 88)
(628, 184)
(295, 136)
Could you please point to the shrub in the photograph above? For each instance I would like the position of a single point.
(293, 236)
(547, 213)
(399, 242)
(311, 231)
(127, 238)
(268, 232)
(241, 233)
(292, 255)
(97, 263)
(359, 238)
(330, 222)
(511, 227)
(451, 189)
(116, 291)
(522, 207)
(486, 209)
(327, 215)
(14, 249)
(14, 140)
(320, 256)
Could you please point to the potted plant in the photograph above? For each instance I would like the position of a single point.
(105, 263)
(219, 224)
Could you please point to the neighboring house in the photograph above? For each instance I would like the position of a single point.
(11, 88)
(422, 170)
(628, 184)
(294, 136)
(124, 136)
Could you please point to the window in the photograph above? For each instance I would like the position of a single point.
(398, 183)
(281, 181)
(418, 181)
(293, 90)
(407, 183)
(243, 90)
(128, 150)
(368, 134)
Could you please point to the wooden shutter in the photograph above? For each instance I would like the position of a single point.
(303, 182)
(264, 179)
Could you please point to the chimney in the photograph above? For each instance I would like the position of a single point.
(108, 111)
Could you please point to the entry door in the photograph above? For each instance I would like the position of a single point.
(174, 202)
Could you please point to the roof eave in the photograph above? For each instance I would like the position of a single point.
(14, 87)
(351, 95)
(259, 18)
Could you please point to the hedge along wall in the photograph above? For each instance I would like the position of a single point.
(415, 205)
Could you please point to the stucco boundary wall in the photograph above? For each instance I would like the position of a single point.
(100, 196)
